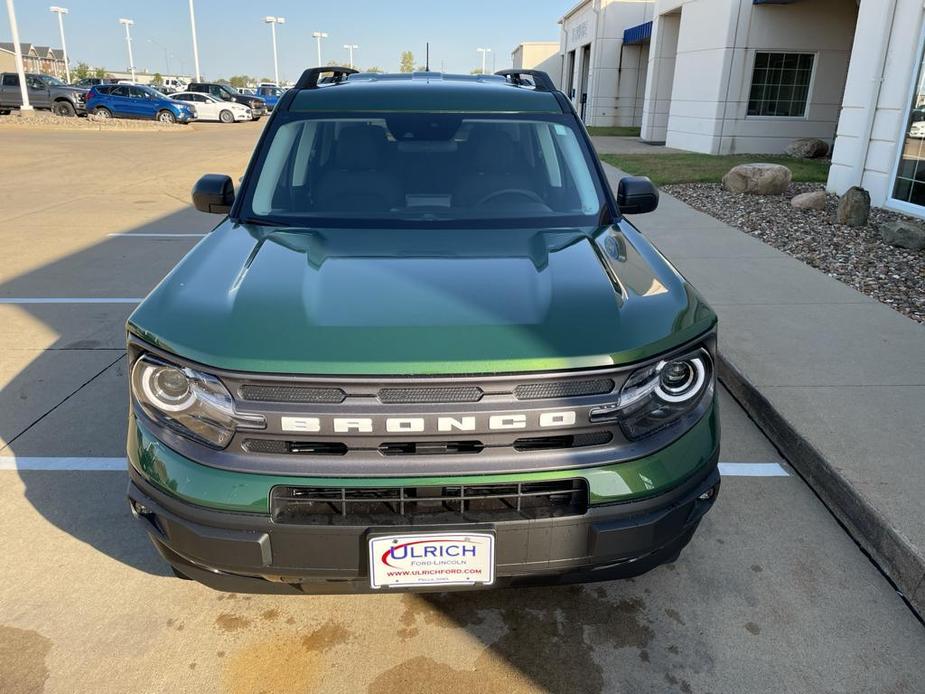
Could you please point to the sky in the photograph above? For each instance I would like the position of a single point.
(233, 38)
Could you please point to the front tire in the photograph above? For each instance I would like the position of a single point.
(102, 112)
(166, 117)
(226, 116)
(64, 108)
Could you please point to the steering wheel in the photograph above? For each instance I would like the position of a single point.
(511, 191)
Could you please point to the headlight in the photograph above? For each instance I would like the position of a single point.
(194, 404)
(660, 394)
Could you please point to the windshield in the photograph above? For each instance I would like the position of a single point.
(269, 91)
(442, 169)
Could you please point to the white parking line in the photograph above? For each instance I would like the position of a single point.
(93, 464)
(84, 464)
(157, 236)
(68, 300)
(752, 470)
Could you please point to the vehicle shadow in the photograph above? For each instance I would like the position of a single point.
(68, 397)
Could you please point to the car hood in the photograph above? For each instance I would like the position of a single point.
(403, 302)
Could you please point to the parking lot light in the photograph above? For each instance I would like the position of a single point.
(17, 51)
(192, 21)
(484, 52)
(128, 41)
(350, 48)
(273, 21)
(318, 35)
(61, 11)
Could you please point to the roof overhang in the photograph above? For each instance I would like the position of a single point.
(637, 35)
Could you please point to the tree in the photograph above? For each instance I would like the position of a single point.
(157, 79)
(374, 68)
(407, 62)
(477, 71)
(80, 71)
(101, 73)
(240, 80)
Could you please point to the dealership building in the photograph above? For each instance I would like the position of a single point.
(750, 76)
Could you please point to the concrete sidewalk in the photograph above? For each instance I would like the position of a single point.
(836, 379)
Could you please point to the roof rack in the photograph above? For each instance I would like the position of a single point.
(541, 80)
(310, 78)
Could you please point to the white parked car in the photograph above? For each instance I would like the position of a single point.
(210, 108)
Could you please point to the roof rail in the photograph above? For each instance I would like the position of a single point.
(310, 78)
(541, 80)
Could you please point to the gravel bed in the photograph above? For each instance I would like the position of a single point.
(45, 120)
(855, 256)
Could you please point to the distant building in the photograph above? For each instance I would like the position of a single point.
(539, 55)
(43, 59)
(605, 53)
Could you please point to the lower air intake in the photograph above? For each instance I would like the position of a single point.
(431, 505)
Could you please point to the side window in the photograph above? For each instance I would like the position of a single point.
(11, 80)
(119, 91)
(216, 91)
(35, 83)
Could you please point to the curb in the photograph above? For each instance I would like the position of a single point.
(899, 559)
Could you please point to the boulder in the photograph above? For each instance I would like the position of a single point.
(810, 201)
(758, 179)
(808, 148)
(904, 234)
(853, 207)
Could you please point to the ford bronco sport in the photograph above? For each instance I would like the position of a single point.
(423, 350)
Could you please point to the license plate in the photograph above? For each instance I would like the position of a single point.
(429, 559)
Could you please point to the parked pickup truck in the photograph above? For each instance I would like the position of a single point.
(45, 92)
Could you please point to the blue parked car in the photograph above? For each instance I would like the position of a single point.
(136, 101)
(271, 95)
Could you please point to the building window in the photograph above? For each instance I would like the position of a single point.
(910, 174)
(780, 84)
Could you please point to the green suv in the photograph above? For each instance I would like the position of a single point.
(423, 350)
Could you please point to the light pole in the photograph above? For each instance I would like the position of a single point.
(128, 42)
(273, 21)
(166, 55)
(318, 35)
(17, 50)
(350, 48)
(61, 11)
(484, 52)
(192, 21)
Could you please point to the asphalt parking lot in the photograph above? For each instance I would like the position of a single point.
(771, 595)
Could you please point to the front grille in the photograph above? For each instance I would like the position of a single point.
(428, 505)
(306, 394)
(430, 447)
(547, 443)
(424, 395)
(563, 389)
(277, 447)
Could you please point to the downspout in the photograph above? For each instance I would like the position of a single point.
(876, 88)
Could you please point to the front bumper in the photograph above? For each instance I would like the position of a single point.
(245, 552)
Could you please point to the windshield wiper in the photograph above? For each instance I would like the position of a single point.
(264, 221)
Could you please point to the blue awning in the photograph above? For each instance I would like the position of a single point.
(641, 33)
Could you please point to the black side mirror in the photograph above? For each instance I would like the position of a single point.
(636, 195)
(213, 193)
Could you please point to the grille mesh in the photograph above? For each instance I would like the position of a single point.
(434, 505)
(435, 394)
(562, 389)
(292, 394)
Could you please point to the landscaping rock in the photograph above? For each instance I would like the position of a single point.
(758, 179)
(810, 201)
(808, 148)
(853, 207)
(904, 234)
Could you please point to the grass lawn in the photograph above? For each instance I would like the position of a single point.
(614, 131)
(692, 167)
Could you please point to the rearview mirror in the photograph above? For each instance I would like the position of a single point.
(213, 193)
(636, 195)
